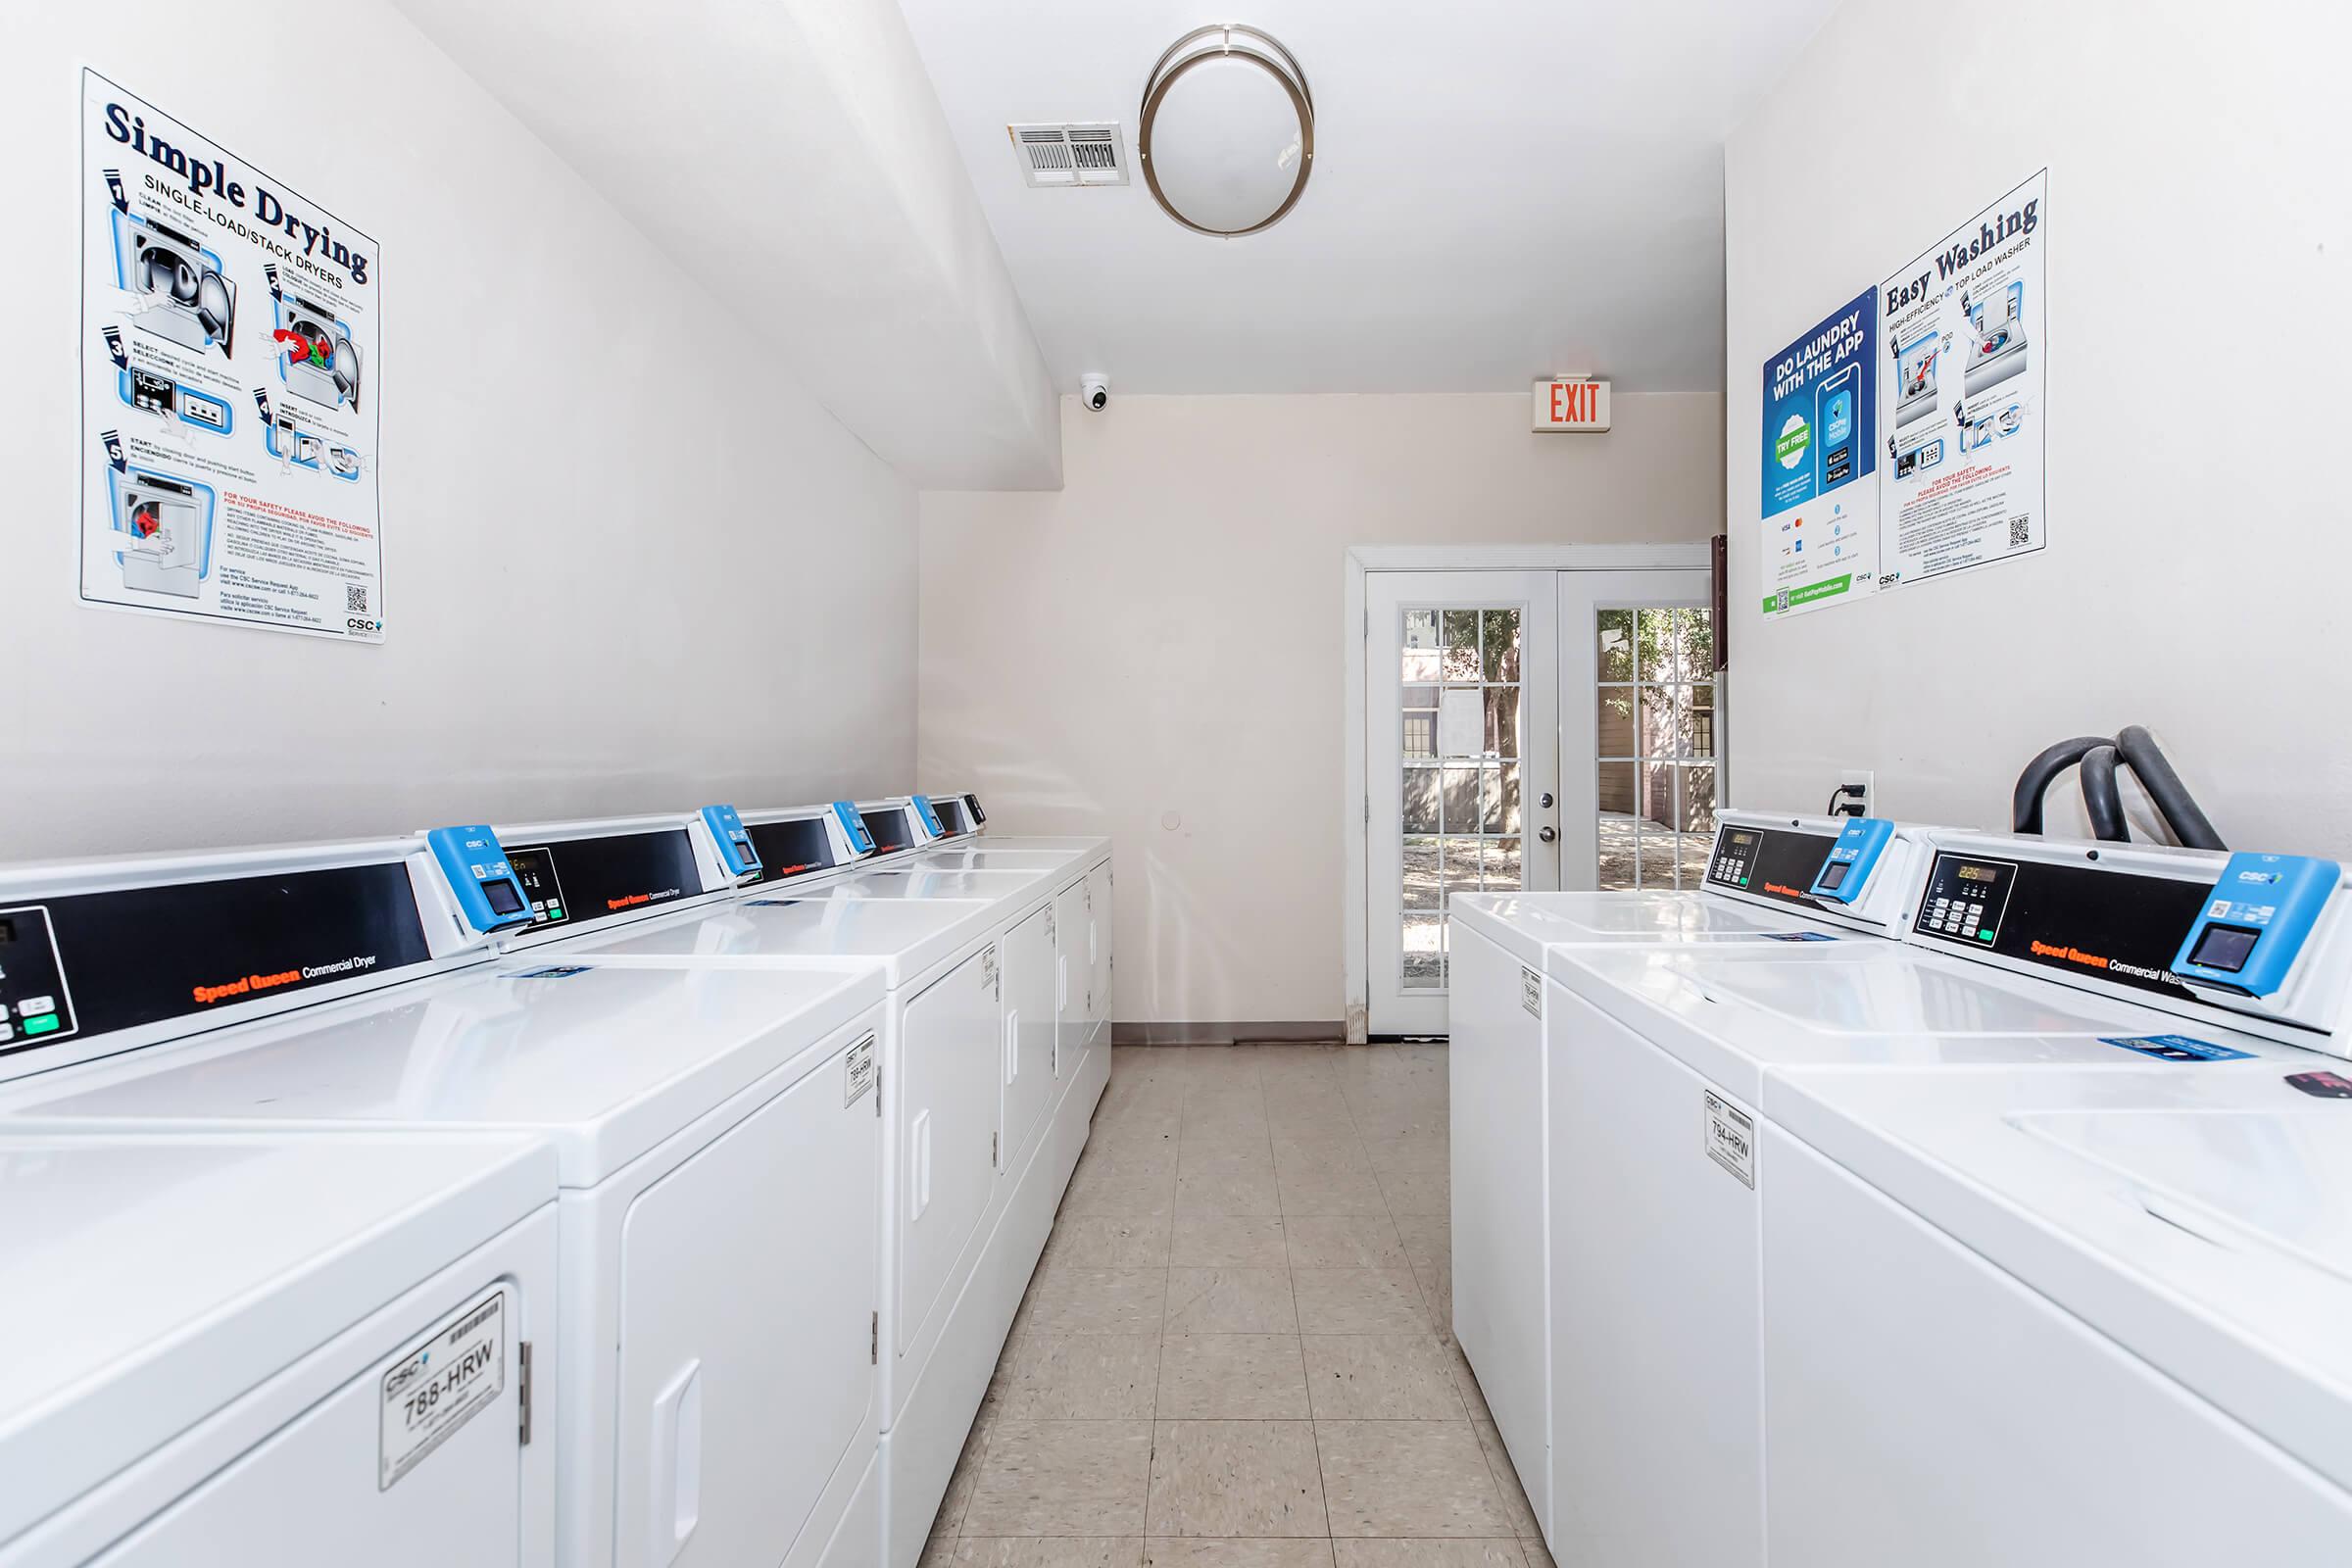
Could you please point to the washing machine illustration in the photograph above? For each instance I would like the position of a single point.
(1997, 349)
(168, 528)
(190, 300)
(1914, 366)
(317, 358)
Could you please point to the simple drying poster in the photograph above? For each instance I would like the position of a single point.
(1820, 543)
(229, 400)
(1962, 411)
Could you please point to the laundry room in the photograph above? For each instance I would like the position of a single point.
(1692, 651)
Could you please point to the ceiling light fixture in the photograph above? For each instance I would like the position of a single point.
(1228, 131)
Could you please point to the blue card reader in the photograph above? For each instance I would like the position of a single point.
(735, 850)
(923, 807)
(474, 864)
(861, 841)
(2255, 921)
(1846, 873)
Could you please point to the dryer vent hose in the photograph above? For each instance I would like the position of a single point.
(2099, 757)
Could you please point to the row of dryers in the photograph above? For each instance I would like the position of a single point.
(1911, 1195)
(646, 1190)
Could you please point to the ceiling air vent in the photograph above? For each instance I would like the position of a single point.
(1085, 154)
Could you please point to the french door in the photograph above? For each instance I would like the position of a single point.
(1525, 730)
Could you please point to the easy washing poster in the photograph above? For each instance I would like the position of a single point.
(1946, 368)
(1820, 539)
(229, 419)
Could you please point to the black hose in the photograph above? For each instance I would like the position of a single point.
(2146, 758)
(2102, 802)
(2025, 807)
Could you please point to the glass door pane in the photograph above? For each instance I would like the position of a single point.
(1653, 744)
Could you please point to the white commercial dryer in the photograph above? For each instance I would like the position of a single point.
(1662, 1063)
(275, 1349)
(717, 1149)
(1763, 886)
(983, 1117)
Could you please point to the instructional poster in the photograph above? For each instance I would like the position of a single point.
(1820, 543)
(1963, 410)
(229, 339)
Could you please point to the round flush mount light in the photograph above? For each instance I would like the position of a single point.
(1228, 131)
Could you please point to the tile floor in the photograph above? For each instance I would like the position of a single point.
(1236, 1351)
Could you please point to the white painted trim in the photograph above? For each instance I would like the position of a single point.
(1354, 788)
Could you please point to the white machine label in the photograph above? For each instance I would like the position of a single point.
(1530, 991)
(860, 1071)
(441, 1385)
(1731, 1138)
(987, 967)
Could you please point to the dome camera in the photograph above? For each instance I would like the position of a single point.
(1096, 389)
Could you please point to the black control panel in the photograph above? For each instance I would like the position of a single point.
(1774, 862)
(973, 804)
(952, 815)
(792, 849)
(889, 829)
(91, 964)
(2084, 921)
(587, 879)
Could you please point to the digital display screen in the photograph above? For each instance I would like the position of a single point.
(1832, 876)
(503, 895)
(1737, 840)
(743, 853)
(2224, 947)
(535, 869)
(1977, 874)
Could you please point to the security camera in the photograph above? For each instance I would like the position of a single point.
(1097, 387)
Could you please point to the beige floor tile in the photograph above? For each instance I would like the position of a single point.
(1234, 1190)
(1062, 1477)
(1238, 1377)
(1437, 1291)
(1305, 1155)
(1331, 1192)
(1110, 1189)
(1404, 1479)
(949, 1520)
(938, 1552)
(1046, 1552)
(1359, 1300)
(1234, 1477)
(1537, 1555)
(1506, 1480)
(1175, 1552)
(1346, 1241)
(1423, 1150)
(1465, 1381)
(1081, 1377)
(1428, 1238)
(1209, 1156)
(1380, 1377)
(1108, 1240)
(1230, 1300)
(1228, 1241)
(1428, 1554)
(1417, 1192)
(1095, 1300)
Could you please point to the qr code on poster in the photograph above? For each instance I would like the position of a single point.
(355, 595)
(2021, 532)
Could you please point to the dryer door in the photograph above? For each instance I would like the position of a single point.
(1074, 980)
(951, 1042)
(1028, 1040)
(1098, 1006)
(748, 1289)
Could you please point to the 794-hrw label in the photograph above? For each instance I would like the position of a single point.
(1731, 1138)
(441, 1385)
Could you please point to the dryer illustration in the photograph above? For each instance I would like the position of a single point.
(1914, 366)
(167, 529)
(1997, 349)
(317, 360)
(192, 300)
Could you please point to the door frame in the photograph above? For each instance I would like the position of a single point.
(1355, 631)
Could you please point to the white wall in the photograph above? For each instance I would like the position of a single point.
(2200, 307)
(1161, 641)
(716, 588)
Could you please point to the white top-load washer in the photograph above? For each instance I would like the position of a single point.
(717, 1148)
(983, 1113)
(277, 1350)
(1762, 888)
(1663, 1063)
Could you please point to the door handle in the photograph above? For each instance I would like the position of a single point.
(918, 1167)
(677, 1502)
(1544, 800)
(1548, 834)
(1013, 1044)
(1062, 981)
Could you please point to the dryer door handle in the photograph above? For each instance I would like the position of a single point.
(677, 1466)
(1062, 981)
(1013, 1044)
(918, 1166)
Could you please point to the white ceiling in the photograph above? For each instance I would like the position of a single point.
(1503, 189)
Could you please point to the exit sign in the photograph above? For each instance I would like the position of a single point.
(1572, 406)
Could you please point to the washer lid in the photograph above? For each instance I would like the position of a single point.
(2194, 1213)
(907, 937)
(603, 1063)
(1525, 923)
(148, 1281)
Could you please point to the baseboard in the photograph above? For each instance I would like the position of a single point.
(1312, 1031)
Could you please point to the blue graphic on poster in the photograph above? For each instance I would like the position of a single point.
(1820, 538)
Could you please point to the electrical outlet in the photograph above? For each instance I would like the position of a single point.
(1851, 781)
